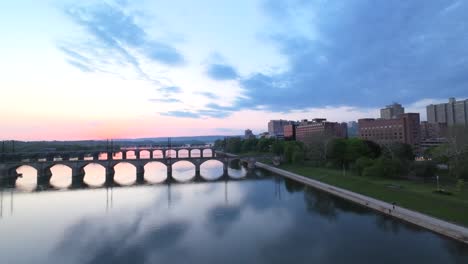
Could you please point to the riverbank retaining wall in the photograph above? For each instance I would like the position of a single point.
(439, 226)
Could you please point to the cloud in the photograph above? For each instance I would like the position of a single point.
(363, 53)
(221, 72)
(182, 114)
(209, 95)
(165, 100)
(170, 89)
(115, 41)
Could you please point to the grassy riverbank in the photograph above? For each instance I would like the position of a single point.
(417, 196)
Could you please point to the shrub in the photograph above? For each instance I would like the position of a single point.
(424, 169)
(362, 163)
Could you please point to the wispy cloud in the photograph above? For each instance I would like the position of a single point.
(221, 72)
(209, 95)
(114, 42)
(165, 100)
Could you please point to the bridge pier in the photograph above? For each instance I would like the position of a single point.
(197, 170)
(110, 172)
(43, 176)
(140, 174)
(169, 171)
(225, 167)
(110, 155)
(137, 154)
(78, 174)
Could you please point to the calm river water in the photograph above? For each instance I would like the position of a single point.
(261, 218)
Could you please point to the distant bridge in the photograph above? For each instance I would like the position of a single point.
(42, 162)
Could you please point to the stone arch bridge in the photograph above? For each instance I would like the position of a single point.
(77, 161)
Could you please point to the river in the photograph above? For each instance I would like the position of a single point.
(254, 217)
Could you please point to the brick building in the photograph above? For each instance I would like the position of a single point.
(404, 129)
(307, 131)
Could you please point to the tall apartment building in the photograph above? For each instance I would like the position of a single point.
(307, 131)
(392, 111)
(276, 127)
(405, 129)
(248, 134)
(433, 130)
(453, 113)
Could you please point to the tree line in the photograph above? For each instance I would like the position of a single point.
(361, 156)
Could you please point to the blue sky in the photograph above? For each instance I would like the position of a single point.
(207, 67)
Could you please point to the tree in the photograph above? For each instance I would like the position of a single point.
(362, 163)
(316, 148)
(249, 144)
(426, 169)
(337, 151)
(263, 145)
(233, 145)
(278, 147)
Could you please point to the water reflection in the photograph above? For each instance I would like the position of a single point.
(263, 219)
(125, 174)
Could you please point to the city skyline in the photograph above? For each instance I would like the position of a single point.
(138, 69)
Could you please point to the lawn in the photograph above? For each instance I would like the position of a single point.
(413, 195)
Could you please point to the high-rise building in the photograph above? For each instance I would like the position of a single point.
(453, 113)
(248, 134)
(353, 129)
(308, 131)
(392, 111)
(290, 131)
(433, 130)
(276, 127)
(404, 129)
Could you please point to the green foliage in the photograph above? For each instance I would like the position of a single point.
(460, 185)
(374, 149)
(363, 163)
(233, 145)
(278, 147)
(264, 144)
(337, 151)
(385, 167)
(400, 151)
(249, 144)
(424, 169)
(293, 152)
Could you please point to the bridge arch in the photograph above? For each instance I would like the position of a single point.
(125, 172)
(155, 172)
(183, 153)
(94, 173)
(207, 152)
(61, 175)
(145, 154)
(211, 169)
(184, 170)
(28, 179)
(158, 154)
(195, 153)
(171, 153)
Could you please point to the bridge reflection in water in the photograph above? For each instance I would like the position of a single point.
(7, 193)
(126, 174)
(186, 162)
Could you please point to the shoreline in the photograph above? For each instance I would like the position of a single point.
(438, 226)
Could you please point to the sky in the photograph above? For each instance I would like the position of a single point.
(156, 68)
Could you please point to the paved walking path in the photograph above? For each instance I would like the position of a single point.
(457, 232)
